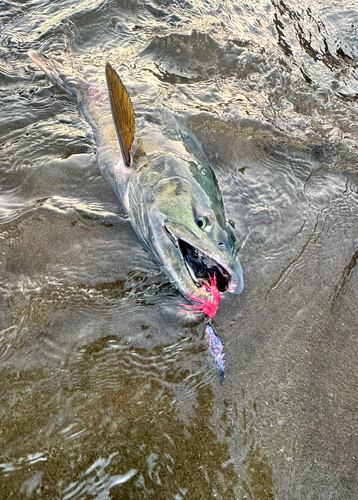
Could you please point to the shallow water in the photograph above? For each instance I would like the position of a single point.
(107, 389)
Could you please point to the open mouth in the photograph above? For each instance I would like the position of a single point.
(201, 267)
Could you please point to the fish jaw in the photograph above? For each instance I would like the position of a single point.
(236, 285)
(167, 252)
(228, 270)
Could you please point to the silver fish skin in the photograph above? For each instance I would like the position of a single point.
(169, 190)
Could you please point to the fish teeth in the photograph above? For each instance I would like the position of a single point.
(191, 272)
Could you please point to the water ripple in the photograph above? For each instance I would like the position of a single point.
(96, 481)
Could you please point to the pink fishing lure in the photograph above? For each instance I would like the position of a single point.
(205, 306)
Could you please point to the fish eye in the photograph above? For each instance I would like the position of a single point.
(204, 222)
(201, 221)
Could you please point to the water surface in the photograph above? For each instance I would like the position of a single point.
(107, 390)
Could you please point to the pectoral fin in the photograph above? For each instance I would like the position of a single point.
(122, 112)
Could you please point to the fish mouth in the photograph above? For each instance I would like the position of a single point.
(201, 266)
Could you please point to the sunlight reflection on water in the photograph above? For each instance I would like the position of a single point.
(108, 389)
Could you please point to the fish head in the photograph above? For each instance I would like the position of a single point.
(190, 236)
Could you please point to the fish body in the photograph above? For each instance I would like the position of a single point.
(166, 186)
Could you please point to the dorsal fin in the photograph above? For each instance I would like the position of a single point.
(122, 112)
